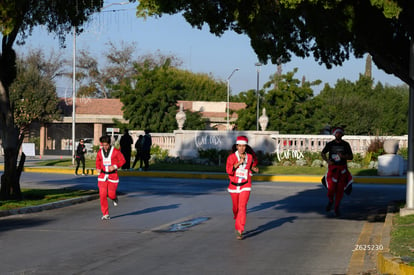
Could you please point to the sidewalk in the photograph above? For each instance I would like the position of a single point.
(372, 233)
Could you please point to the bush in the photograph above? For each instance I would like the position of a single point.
(310, 157)
(96, 148)
(91, 156)
(358, 157)
(294, 157)
(403, 152)
(265, 158)
(318, 163)
(376, 148)
(214, 156)
(158, 154)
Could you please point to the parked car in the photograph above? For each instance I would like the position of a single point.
(88, 144)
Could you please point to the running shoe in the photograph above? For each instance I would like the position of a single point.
(105, 217)
(115, 201)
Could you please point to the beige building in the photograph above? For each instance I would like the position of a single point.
(215, 112)
(93, 117)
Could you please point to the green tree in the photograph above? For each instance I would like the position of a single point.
(150, 96)
(331, 31)
(18, 18)
(287, 103)
(393, 103)
(347, 105)
(194, 121)
(33, 93)
(247, 118)
(364, 109)
(202, 87)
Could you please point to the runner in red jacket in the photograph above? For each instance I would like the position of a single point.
(108, 161)
(239, 167)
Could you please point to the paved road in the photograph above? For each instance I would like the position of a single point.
(288, 231)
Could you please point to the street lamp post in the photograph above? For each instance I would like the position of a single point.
(228, 97)
(73, 94)
(258, 64)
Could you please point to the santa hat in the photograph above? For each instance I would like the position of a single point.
(242, 140)
(338, 130)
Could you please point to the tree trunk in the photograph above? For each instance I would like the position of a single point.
(9, 132)
(10, 180)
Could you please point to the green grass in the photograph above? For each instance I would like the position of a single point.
(64, 163)
(402, 237)
(33, 197)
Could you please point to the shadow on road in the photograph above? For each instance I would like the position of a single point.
(268, 226)
(367, 202)
(148, 210)
(16, 223)
(262, 206)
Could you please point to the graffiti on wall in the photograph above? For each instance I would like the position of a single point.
(288, 154)
(203, 140)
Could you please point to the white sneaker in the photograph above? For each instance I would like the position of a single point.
(105, 217)
(83, 175)
(115, 201)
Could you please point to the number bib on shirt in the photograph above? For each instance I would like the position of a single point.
(242, 173)
(106, 162)
(336, 157)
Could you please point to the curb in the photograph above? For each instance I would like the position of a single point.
(386, 262)
(48, 206)
(54, 170)
(389, 264)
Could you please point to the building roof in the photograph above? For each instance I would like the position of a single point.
(212, 109)
(92, 106)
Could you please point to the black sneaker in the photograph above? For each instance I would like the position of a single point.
(115, 201)
(329, 206)
(337, 213)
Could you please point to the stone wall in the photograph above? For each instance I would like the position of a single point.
(187, 143)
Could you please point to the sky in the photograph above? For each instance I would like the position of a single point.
(199, 50)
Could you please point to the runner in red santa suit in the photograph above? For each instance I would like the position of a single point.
(239, 167)
(108, 161)
(338, 177)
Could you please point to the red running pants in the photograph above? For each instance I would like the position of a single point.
(337, 179)
(106, 189)
(239, 208)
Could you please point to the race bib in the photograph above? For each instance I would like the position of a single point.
(242, 173)
(107, 162)
(336, 157)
